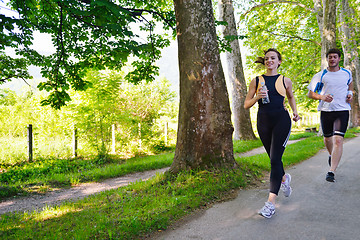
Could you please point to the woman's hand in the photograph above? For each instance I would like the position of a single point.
(261, 94)
(296, 117)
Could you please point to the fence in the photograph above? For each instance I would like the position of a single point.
(75, 139)
(308, 121)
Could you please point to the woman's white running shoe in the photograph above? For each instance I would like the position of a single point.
(285, 186)
(268, 210)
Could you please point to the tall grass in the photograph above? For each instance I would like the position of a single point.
(14, 150)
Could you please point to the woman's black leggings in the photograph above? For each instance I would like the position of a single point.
(274, 130)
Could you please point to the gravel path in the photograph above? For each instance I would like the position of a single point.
(36, 202)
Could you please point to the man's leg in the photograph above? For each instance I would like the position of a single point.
(337, 150)
(327, 125)
(328, 141)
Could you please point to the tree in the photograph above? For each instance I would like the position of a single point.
(112, 100)
(351, 55)
(96, 109)
(205, 131)
(328, 36)
(271, 24)
(325, 29)
(241, 116)
(303, 46)
(86, 34)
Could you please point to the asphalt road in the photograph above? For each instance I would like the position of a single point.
(316, 210)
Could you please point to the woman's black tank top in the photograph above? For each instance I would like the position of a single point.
(276, 100)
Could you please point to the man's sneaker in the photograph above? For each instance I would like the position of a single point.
(330, 177)
(285, 186)
(329, 161)
(268, 210)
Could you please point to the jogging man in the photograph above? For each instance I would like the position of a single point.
(333, 88)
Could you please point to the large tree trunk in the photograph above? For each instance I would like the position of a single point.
(351, 57)
(328, 37)
(326, 18)
(237, 83)
(204, 137)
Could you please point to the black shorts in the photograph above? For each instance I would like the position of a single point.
(334, 123)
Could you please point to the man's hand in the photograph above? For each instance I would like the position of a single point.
(327, 98)
(349, 97)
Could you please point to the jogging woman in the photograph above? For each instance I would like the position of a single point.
(273, 122)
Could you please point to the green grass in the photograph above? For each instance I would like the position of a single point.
(142, 208)
(22, 178)
(241, 146)
(49, 173)
(126, 213)
(14, 150)
(294, 153)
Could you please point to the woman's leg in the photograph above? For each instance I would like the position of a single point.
(280, 136)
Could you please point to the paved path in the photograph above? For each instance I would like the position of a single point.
(316, 210)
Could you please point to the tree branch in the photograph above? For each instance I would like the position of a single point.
(279, 1)
(137, 12)
(60, 42)
(307, 66)
(294, 37)
(14, 76)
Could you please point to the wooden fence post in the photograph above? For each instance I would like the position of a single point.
(75, 142)
(30, 142)
(166, 133)
(140, 142)
(113, 138)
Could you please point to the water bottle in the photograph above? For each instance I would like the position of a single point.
(266, 99)
(326, 105)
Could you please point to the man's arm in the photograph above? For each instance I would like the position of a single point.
(349, 96)
(316, 96)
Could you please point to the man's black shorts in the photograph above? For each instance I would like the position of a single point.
(334, 123)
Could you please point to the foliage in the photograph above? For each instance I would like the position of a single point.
(7, 97)
(292, 29)
(96, 109)
(134, 109)
(110, 100)
(86, 34)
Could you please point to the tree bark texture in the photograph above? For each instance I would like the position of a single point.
(319, 16)
(351, 56)
(237, 83)
(204, 138)
(328, 39)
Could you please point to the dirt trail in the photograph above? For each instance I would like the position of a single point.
(36, 202)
